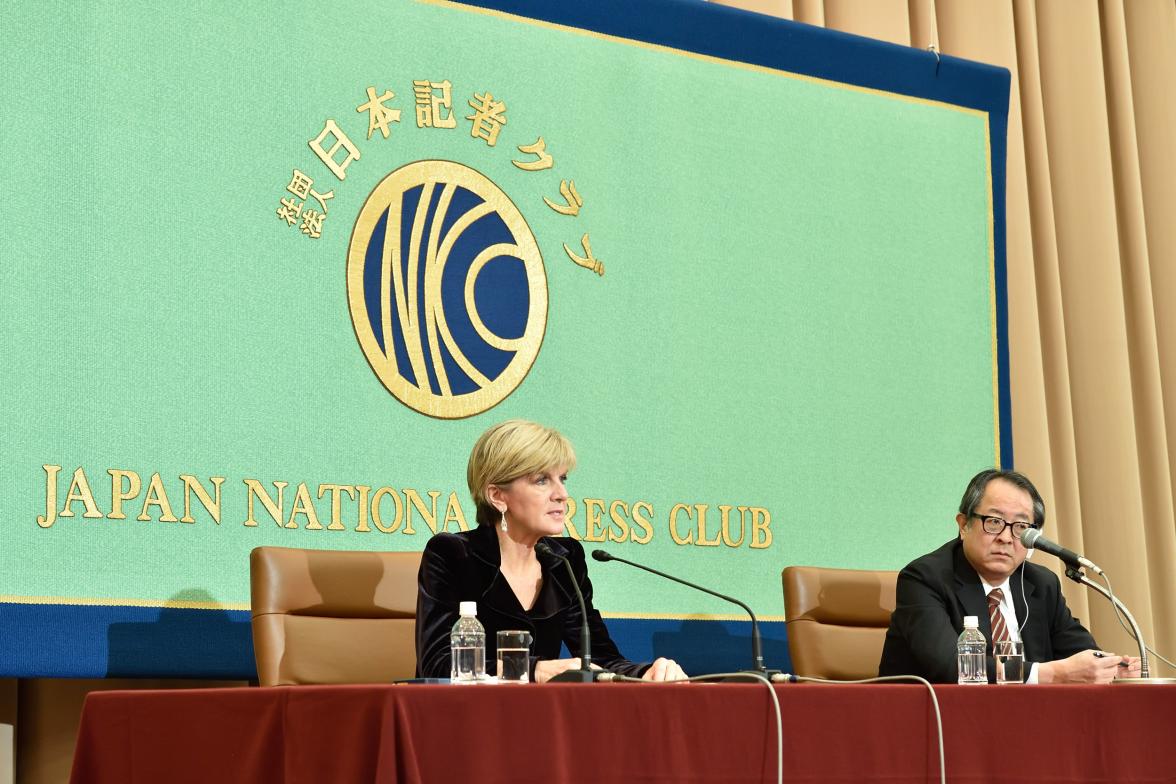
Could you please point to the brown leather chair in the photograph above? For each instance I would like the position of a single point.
(837, 620)
(331, 616)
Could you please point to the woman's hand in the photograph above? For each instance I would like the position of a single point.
(546, 669)
(663, 670)
(660, 670)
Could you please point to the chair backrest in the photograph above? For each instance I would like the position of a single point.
(837, 620)
(332, 616)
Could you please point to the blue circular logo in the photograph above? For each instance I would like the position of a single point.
(447, 290)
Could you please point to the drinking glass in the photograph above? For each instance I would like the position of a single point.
(1010, 661)
(514, 656)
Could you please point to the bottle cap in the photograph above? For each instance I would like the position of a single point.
(471, 609)
(970, 621)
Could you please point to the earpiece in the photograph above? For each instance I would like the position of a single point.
(1025, 599)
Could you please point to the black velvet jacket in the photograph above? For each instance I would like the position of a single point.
(936, 591)
(465, 567)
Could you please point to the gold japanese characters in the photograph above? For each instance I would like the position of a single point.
(433, 102)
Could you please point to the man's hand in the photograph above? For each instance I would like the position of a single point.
(664, 670)
(1132, 668)
(1084, 667)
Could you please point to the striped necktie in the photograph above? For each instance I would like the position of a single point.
(1000, 632)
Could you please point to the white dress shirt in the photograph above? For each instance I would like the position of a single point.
(1010, 616)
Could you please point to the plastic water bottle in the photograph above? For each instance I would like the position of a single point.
(467, 646)
(970, 652)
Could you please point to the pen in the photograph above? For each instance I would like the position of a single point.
(1101, 655)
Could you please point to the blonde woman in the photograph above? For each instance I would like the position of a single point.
(517, 475)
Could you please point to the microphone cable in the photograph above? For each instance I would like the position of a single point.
(613, 677)
(787, 678)
(1119, 618)
(896, 679)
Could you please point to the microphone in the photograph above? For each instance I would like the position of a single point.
(1032, 538)
(1075, 562)
(756, 647)
(585, 674)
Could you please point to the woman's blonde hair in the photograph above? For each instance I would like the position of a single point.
(509, 450)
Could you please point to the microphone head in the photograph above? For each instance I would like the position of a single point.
(601, 555)
(542, 548)
(1030, 537)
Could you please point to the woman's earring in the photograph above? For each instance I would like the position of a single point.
(503, 525)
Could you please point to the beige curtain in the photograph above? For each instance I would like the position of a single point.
(1091, 267)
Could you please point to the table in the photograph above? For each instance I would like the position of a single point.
(626, 733)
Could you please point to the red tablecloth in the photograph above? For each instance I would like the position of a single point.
(626, 733)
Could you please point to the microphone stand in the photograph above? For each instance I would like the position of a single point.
(756, 646)
(1144, 673)
(585, 674)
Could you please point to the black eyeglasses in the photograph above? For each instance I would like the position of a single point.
(997, 525)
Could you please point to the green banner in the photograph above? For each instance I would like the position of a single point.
(761, 305)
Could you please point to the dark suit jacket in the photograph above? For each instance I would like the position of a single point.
(465, 567)
(936, 591)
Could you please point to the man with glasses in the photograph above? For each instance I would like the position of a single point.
(983, 572)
